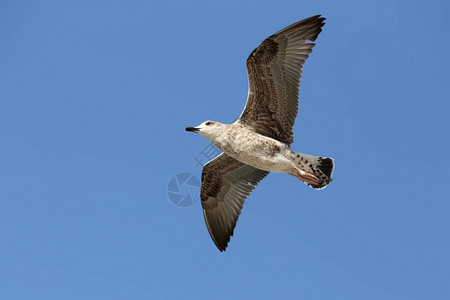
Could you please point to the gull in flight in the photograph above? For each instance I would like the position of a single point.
(259, 142)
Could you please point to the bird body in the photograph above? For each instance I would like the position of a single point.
(249, 147)
(259, 142)
(265, 153)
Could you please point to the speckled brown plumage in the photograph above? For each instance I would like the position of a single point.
(274, 72)
(226, 183)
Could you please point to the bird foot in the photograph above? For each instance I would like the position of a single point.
(306, 177)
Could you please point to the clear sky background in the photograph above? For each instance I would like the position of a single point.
(94, 99)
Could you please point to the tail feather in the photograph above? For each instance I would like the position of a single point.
(320, 167)
(326, 165)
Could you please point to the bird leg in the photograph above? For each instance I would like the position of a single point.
(305, 176)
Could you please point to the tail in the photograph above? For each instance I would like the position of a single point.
(315, 171)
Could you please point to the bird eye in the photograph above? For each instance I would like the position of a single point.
(208, 123)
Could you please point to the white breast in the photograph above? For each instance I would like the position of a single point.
(254, 149)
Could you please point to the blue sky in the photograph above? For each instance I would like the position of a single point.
(94, 100)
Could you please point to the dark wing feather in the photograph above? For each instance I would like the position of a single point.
(226, 183)
(274, 72)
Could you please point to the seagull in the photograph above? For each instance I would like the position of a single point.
(259, 141)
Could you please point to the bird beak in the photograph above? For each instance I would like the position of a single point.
(192, 129)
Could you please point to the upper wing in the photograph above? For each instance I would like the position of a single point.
(274, 72)
(226, 183)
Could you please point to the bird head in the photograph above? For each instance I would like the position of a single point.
(209, 129)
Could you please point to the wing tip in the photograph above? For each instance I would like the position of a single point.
(221, 243)
(312, 25)
(222, 248)
(316, 17)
